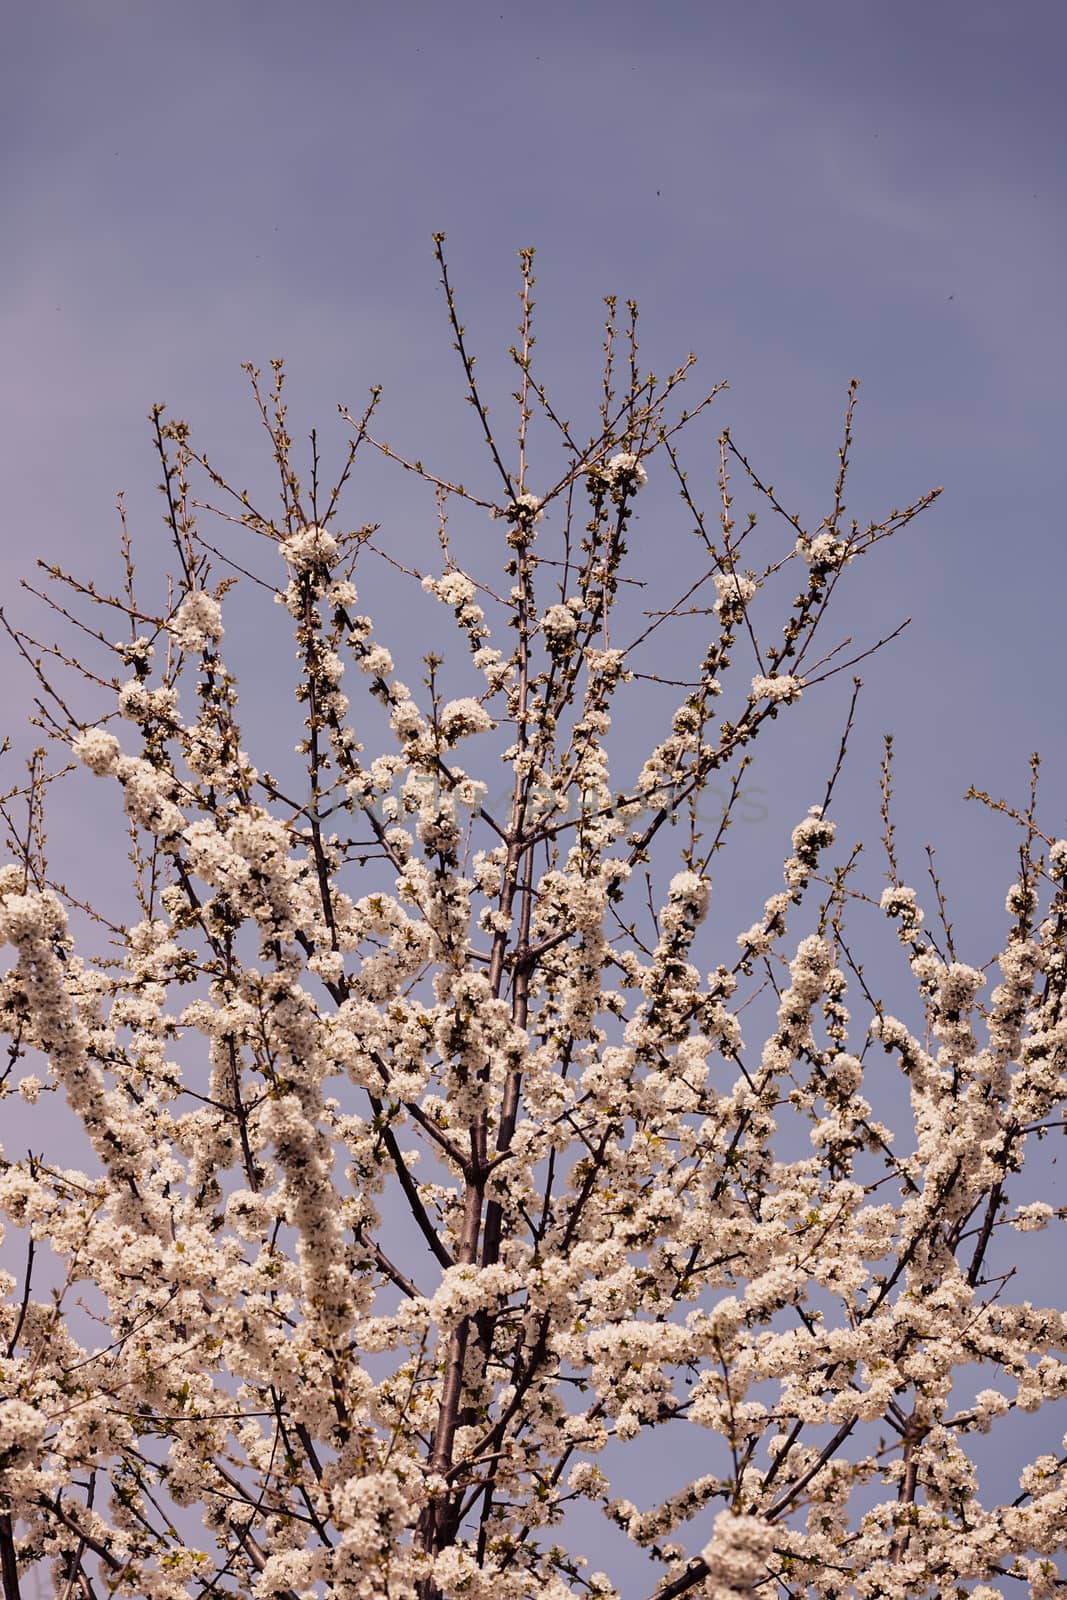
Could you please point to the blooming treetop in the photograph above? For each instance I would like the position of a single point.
(523, 1030)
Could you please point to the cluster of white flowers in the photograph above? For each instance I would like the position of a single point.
(525, 508)
(826, 552)
(559, 625)
(376, 661)
(139, 703)
(780, 687)
(522, 512)
(622, 473)
(197, 623)
(458, 719)
(98, 750)
(1032, 1218)
(690, 894)
(308, 548)
(22, 1428)
(454, 588)
(733, 591)
(465, 1290)
(737, 1555)
(901, 904)
(810, 838)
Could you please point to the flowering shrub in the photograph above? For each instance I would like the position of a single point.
(433, 1147)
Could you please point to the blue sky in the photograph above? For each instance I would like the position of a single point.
(798, 192)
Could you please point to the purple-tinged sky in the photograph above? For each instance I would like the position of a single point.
(799, 193)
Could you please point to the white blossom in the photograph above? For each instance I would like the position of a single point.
(22, 1428)
(692, 892)
(733, 592)
(559, 624)
(454, 588)
(623, 471)
(197, 622)
(308, 547)
(826, 551)
(780, 687)
(98, 750)
(1031, 1218)
(737, 1554)
(459, 718)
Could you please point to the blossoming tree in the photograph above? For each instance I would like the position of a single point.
(433, 1170)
